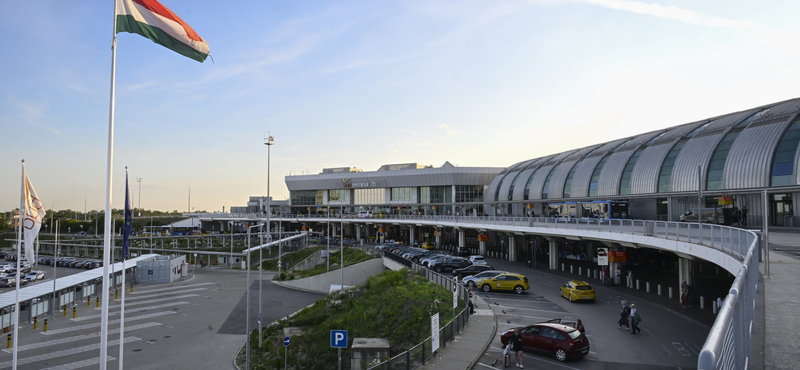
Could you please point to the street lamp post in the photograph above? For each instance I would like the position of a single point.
(247, 359)
(269, 141)
(139, 180)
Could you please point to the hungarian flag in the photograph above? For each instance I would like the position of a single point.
(32, 214)
(152, 20)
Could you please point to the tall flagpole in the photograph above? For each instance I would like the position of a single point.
(19, 258)
(107, 220)
(125, 239)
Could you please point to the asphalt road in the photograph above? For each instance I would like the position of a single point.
(667, 340)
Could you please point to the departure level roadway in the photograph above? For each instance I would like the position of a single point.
(195, 323)
(667, 341)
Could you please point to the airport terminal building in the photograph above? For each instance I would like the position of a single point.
(726, 162)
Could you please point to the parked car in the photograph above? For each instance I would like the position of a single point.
(575, 290)
(34, 275)
(25, 267)
(450, 264)
(7, 268)
(470, 270)
(562, 341)
(510, 281)
(472, 281)
(7, 282)
(427, 261)
(705, 215)
(462, 252)
(477, 260)
(427, 245)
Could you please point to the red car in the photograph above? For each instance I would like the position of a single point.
(562, 341)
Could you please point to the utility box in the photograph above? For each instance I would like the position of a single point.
(163, 269)
(368, 352)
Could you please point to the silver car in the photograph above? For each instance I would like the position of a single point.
(472, 280)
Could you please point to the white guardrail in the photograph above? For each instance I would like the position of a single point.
(728, 343)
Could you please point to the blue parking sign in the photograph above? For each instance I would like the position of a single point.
(339, 338)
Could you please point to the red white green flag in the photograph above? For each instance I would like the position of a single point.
(152, 20)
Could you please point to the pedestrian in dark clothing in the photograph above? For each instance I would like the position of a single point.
(471, 305)
(580, 327)
(624, 312)
(635, 319)
(743, 217)
(516, 346)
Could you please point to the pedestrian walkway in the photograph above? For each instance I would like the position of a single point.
(776, 310)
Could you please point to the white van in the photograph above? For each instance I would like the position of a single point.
(365, 214)
(705, 215)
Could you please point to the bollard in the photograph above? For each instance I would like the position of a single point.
(570, 268)
(659, 289)
(647, 286)
(562, 267)
(670, 292)
(89, 302)
(97, 301)
(637, 284)
(702, 304)
(116, 294)
(589, 274)
(45, 325)
(74, 312)
(65, 310)
(35, 323)
(9, 341)
(580, 270)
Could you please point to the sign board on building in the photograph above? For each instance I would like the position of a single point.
(602, 256)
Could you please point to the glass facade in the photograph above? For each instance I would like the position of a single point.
(469, 193)
(528, 184)
(783, 159)
(545, 188)
(596, 177)
(369, 196)
(513, 185)
(625, 183)
(752, 118)
(568, 182)
(716, 169)
(306, 197)
(403, 195)
(499, 185)
(665, 176)
(337, 195)
(435, 194)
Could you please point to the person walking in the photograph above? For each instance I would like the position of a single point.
(516, 346)
(630, 279)
(580, 327)
(635, 319)
(743, 216)
(618, 273)
(606, 276)
(684, 294)
(624, 312)
(471, 304)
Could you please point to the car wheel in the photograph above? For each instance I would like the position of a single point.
(438, 269)
(561, 354)
(486, 288)
(518, 289)
(570, 297)
(562, 293)
(471, 284)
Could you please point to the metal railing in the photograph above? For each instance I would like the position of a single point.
(729, 341)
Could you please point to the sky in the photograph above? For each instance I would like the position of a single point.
(362, 84)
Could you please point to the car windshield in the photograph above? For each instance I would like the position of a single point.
(583, 287)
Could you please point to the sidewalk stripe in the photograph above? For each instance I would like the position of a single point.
(169, 289)
(127, 298)
(79, 337)
(128, 304)
(67, 352)
(79, 364)
(110, 322)
(91, 317)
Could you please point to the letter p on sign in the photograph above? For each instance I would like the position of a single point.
(339, 338)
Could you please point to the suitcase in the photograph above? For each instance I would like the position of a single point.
(507, 361)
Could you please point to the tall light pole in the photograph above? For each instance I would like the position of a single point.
(139, 180)
(189, 207)
(52, 212)
(84, 208)
(269, 141)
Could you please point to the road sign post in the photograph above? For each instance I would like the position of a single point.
(286, 342)
(339, 340)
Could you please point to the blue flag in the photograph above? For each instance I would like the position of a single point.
(126, 233)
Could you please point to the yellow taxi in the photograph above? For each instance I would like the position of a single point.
(427, 245)
(575, 290)
(510, 281)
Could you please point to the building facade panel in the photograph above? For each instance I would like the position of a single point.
(697, 152)
(612, 172)
(644, 179)
(538, 181)
(556, 189)
(750, 157)
(580, 181)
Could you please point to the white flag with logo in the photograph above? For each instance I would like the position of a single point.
(32, 214)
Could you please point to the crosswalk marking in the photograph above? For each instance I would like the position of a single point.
(110, 322)
(79, 364)
(169, 289)
(128, 304)
(79, 337)
(67, 352)
(128, 298)
(91, 317)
